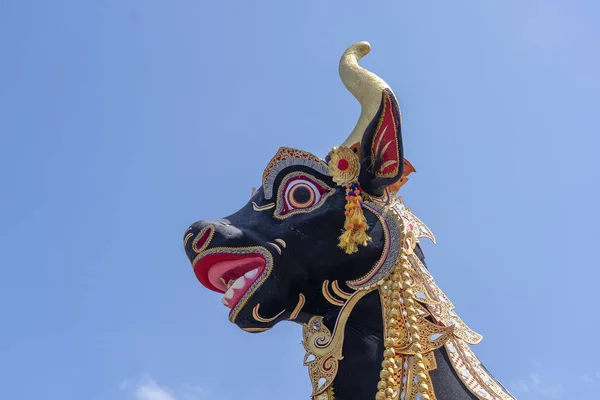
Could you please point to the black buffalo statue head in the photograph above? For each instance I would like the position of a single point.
(327, 243)
(271, 258)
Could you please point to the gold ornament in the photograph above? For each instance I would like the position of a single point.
(258, 317)
(298, 308)
(323, 348)
(404, 323)
(329, 297)
(344, 165)
(355, 225)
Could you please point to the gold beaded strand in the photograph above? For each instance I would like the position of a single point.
(398, 288)
(413, 328)
(387, 384)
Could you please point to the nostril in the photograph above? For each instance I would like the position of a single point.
(203, 238)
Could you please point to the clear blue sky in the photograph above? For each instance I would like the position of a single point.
(124, 121)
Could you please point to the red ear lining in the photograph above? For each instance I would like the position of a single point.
(385, 147)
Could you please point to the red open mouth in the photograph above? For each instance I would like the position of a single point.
(232, 274)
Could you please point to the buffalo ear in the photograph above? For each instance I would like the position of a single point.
(381, 152)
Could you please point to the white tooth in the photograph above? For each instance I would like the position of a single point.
(239, 283)
(251, 274)
(225, 302)
(228, 294)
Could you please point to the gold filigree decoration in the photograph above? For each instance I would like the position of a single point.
(409, 338)
(438, 304)
(412, 223)
(323, 348)
(470, 371)
(326, 395)
(416, 379)
(287, 157)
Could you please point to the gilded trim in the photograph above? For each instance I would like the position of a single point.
(336, 289)
(257, 317)
(255, 330)
(298, 308)
(256, 207)
(187, 238)
(277, 248)
(328, 296)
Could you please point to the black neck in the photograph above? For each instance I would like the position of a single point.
(358, 372)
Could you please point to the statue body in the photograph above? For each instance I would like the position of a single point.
(329, 244)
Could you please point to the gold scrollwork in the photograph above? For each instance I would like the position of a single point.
(323, 348)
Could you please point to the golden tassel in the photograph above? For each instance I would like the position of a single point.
(355, 225)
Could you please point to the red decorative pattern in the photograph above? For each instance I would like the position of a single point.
(385, 144)
(461, 368)
(203, 238)
(325, 364)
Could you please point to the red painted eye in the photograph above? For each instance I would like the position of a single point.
(301, 193)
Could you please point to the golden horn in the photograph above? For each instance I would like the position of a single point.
(364, 85)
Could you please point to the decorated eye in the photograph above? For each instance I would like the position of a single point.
(300, 193)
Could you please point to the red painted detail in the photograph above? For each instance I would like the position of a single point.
(343, 165)
(387, 135)
(202, 241)
(325, 368)
(286, 205)
(211, 267)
